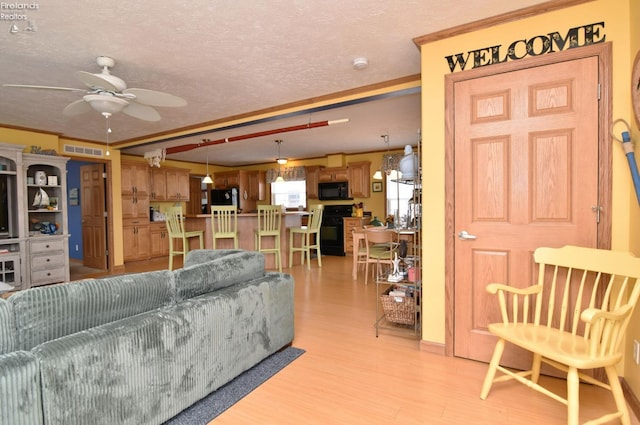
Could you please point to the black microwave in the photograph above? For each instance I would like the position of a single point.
(333, 191)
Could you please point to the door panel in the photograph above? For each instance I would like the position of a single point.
(94, 232)
(526, 175)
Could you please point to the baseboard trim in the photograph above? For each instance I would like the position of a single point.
(631, 398)
(432, 347)
(119, 269)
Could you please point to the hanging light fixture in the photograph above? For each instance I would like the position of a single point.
(388, 165)
(280, 160)
(207, 179)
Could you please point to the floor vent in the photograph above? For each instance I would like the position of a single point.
(83, 150)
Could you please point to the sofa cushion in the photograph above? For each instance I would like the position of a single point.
(7, 329)
(46, 313)
(220, 272)
(20, 400)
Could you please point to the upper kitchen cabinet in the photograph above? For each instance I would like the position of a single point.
(169, 184)
(333, 174)
(312, 178)
(135, 190)
(226, 179)
(359, 179)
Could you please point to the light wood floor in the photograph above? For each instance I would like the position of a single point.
(348, 376)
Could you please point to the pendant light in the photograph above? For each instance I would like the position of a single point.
(280, 161)
(207, 179)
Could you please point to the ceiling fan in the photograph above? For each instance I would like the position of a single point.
(109, 94)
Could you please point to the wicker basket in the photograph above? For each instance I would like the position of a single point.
(398, 309)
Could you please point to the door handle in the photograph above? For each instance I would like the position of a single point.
(466, 236)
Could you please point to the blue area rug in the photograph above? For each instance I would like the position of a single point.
(202, 412)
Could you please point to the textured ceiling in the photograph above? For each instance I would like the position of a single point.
(227, 58)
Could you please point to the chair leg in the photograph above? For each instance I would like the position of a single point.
(291, 238)
(573, 397)
(170, 253)
(307, 250)
(535, 367)
(618, 395)
(278, 256)
(493, 367)
(318, 254)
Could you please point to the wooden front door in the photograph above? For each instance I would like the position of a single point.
(94, 232)
(526, 175)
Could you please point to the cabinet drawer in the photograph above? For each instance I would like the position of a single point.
(41, 277)
(41, 262)
(47, 245)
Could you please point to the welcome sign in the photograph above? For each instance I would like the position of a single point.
(535, 46)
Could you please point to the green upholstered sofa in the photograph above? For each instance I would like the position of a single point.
(139, 348)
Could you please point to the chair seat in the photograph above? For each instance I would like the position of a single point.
(553, 344)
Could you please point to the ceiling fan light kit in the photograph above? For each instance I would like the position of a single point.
(105, 103)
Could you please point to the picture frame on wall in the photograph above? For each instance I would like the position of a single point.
(376, 186)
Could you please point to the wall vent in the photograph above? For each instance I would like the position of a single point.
(83, 150)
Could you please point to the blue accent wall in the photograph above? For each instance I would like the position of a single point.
(74, 216)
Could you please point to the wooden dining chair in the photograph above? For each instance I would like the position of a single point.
(269, 222)
(310, 237)
(381, 245)
(224, 223)
(175, 227)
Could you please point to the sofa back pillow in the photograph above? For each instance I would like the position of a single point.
(7, 330)
(221, 272)
(49, 312)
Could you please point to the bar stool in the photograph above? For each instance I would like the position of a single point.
(175, 226)
(312, 229)
(224, 223)
(269, 221)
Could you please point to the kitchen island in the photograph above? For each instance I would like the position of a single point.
(247, 225)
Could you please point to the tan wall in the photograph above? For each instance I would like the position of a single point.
(619, 16)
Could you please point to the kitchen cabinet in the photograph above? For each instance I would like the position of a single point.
(136, 239)
(312, 178)
(159, 239)
(351, 223)
(359, 173)
(135, 190)
(256, 185)
(333, 174)
(226, 179)
(169, 184)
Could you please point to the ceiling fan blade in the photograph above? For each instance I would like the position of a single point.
(31, 86)
(95, 81)
(76, 108)
(156, 98)
(143, 112)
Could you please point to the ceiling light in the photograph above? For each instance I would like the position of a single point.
(104, 103)
(377, 175)
(360, 63)
(281, 161)
(279, 179)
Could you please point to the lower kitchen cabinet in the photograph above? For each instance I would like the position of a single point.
(159, 239)
(136, 240)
